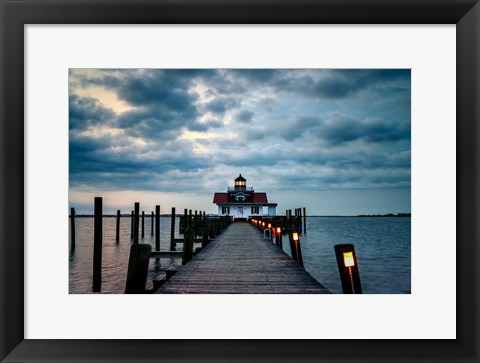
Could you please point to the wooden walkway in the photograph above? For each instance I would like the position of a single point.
(239, 261)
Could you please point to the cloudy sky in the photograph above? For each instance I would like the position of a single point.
(334, 141)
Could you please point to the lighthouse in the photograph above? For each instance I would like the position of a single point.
(242, 202)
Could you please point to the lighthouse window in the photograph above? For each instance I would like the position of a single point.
(254, 210)
(240, 198)
(225, 210)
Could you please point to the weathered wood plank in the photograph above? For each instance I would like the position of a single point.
(239, 261)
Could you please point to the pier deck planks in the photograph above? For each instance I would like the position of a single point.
(239, 261)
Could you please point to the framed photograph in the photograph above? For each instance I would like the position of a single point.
(385, 94)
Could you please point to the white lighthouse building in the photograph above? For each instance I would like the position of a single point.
(242, 201)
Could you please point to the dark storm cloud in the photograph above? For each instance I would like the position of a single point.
(343, 129)
(330, 122)
(156, 121)
(339, 84)
(244, 116)
(339, 129)
(86, 111)
(93, 160)
(221, 104)
(255, 134)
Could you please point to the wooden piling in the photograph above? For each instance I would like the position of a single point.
(157, 227)
(172, 231)
(348, 269)
(205, 239)
(278, 236)
(117, 234)
(300, 220)
(151, 228)
(132, 224)
(195, 221)
(293, 247)
(188, 239)
(304, 221)
(136, 227)
(298, 247)
(211, 230)
(137, 268)
(187, 246)
(97, 245)
(143, 224)
(72, 229)
(185, 219)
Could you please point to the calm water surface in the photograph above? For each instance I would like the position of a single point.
(382, 246)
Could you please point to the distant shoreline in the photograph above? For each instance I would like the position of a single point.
(390, 215)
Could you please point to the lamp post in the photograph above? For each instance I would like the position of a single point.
(278, 237)
(298, 248)
(348, 269)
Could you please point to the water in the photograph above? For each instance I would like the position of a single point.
(115, 256)
(382, 246)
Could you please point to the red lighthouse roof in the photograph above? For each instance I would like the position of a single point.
(222, 198)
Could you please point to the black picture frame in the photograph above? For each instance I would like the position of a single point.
(16, 14)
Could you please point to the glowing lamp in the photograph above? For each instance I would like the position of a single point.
(348, 259)
(269, 225)
(295, 236)
(263, 224)
(279, 229)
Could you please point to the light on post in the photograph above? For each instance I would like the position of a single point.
(295, 236)
(348, 259)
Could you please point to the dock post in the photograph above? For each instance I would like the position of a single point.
(278, 236)
(97, 245)
(211, 230)
(293, 247)
(143, 224)
(187, 245)
(298, 247)
(137, 268)
(136, 227)
(205, 239)
(348, 269)
(132, 224)
(188, 238)
(304, 221)
(300, 220)
(157, 227)
(72, 229)
(117, 235)
(185, 220)
(195, 221)
(151, 228)
(289, 216)
(172, 230)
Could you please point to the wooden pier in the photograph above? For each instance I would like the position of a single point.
(239, 261)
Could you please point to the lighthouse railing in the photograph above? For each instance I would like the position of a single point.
(242, 188)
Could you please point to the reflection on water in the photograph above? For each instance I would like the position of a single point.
(382, 246)
(114, 256)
